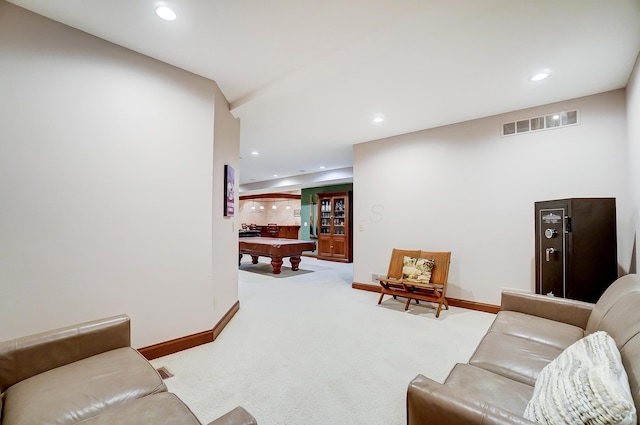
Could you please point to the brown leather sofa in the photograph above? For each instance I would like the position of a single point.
(90, 374)
(530, 331)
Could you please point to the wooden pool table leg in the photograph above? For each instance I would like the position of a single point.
(295, 262)
(254, 259)
(276, 264)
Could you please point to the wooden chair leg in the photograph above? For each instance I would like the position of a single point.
(380, 300)
(438, 311)
(406, 306)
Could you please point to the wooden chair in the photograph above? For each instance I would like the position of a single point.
(433, 291)
(392, 283)
(273, 230)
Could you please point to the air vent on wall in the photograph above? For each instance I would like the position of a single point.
(164, 373)
(546, 122)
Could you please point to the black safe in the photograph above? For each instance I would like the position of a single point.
(576, 247)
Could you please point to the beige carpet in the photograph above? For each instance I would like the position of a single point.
(309, 350)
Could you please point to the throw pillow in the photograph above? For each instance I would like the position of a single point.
(417, 269)
(585, 384)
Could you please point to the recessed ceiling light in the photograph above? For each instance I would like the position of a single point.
(539, 76)
(255, 153)
(322, 167)
(165, 13)
(378, 118)
(275, 175)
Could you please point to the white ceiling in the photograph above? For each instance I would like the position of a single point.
(306, 77)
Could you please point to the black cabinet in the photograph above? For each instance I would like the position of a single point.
(576, 248)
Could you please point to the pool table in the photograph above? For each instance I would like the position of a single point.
(276, 249)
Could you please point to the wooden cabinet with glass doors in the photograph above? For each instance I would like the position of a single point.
(334, 226)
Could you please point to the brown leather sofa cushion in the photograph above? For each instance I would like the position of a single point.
(470, 381)
(163, 408)
(82, 389)
(630, 354)
(622, 322)
(24, 357)
(513, 357)
(557, 334)
(609, 301)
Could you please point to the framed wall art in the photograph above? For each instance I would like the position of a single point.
(229, 191)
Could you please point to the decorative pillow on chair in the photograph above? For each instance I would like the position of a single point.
(417, 269)
(585, 384)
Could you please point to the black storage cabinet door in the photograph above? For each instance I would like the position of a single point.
(576, 247)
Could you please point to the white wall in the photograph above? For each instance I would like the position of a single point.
(106, 181)
(225, 229)
(463, 188)
(633, 122)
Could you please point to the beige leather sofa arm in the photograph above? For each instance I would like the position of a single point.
(553, 308)
(237, 416)
(429, 402)
(25, 357)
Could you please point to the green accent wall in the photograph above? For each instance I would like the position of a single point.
(306, 197)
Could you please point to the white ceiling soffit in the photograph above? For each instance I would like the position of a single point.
(301, 181)
(306, 78)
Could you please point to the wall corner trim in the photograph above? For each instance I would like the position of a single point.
(183, 343)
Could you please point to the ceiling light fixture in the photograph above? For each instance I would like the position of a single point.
(166, 13)
(288, 206)
(255, 153)
(378, 119)
(322, 167)
(274, 206)
(539, 76)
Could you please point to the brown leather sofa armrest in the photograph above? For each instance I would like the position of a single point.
(563, 310)
(25, 357)
(237, 416)
(429, 402)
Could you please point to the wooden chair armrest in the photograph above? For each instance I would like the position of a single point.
(384, 279)
(387, 280)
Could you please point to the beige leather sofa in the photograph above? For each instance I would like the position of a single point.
(88, 374)
(530, 331)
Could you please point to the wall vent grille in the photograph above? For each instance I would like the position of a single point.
(545, 122)
(164, 373)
